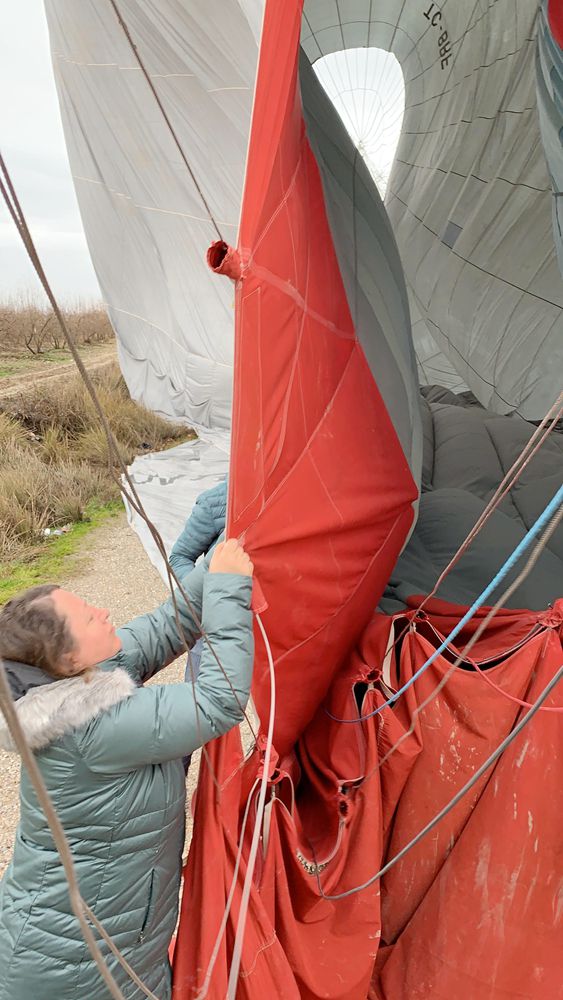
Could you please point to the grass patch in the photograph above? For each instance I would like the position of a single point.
(54, 470)
(58, 555)
(28, 364)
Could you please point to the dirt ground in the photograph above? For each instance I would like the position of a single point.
(35, 371)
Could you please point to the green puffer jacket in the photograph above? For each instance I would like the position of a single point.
(110, 753)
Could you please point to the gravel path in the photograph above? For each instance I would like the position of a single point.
(115, 574)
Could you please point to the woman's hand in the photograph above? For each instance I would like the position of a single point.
(230, 557)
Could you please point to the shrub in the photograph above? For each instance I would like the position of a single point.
(92, 446)
(54, 454)
(27, 326)
(12, 435)
(66, 405)
(55, 445)
(34, 496)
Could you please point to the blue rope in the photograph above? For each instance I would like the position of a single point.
(542, 520)
(457, 797)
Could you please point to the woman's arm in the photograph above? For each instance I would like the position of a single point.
(166, 722)
(198, 534)
(205, 523)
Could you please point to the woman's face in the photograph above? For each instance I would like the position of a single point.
(95, 638)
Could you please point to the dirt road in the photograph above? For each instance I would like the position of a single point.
(38, 372)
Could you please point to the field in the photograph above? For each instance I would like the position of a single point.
(55, 480)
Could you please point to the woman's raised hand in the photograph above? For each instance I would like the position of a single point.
(230, 557)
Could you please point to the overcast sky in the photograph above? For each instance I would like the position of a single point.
(32, 143)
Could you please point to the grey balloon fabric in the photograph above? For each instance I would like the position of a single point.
(444, 520)
(148, 217)
(469, 196)
(369, 263)
(467, 452)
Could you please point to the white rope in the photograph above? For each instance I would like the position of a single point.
(243, 912)
(214, 954)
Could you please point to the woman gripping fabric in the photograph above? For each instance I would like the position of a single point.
(110, 752)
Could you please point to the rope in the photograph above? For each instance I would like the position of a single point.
(243, 912)
(512, 476)
(214, 954)
(544, 517)
(463, 655)
(472, 641)
(6, 701)
(61, 843)
(503, 488)
(179, 147)
(459, 795)
(132, 497)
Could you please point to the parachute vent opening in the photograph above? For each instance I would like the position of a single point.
(366, 87)
(224, 259)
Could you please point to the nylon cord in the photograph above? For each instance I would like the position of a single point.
(458, 796)
(142, 67)
(544, 517)
(6, 703)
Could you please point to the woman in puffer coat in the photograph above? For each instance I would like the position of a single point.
(110, 752)
(201, 532)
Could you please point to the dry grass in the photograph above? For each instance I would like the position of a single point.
(12, 435)
(54, 455)
(92, 446)
(27, 327)
(35, 494)
(65, 412)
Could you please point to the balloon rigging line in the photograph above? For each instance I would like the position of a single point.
(522, 460)
(243, 911)
(202, 992)
(470, 644)
(531, 448)
(506, 484)
(7, 704)
(142, 67)
(81, 910)
(456, 798)
(366, 61)
(461, 656)
(540, 522)
(533, 709)
(345, 57)
(14, 207)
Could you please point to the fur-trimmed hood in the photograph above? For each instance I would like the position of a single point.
(49, 712)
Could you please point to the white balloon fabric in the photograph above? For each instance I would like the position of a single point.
(148, 216)
(469, 195)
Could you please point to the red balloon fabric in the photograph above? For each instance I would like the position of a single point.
(322, 495)
(555, 17)
(473, 910)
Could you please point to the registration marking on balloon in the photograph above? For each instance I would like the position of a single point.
(434, 15)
